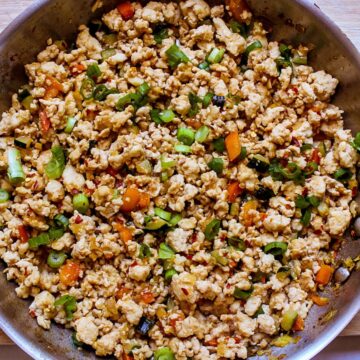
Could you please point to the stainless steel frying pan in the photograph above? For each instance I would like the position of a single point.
(293, 20)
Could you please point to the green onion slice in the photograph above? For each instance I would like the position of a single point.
(186, 135)
(93, 71)
(343, 175)
(305, 220)
(202, 134)
(70, 124)
(164, 353)
(4, 196)
(212, 229)
(56, 165)
(276, 248)
(108, 53)
(61, 221)
(144, 251)
(167, 163)
(15, 170)
(217, 165)
(162, 214)
(184, 149)
(207, 99)
(56, 259)
(175, 220)
(165, 252)
(87, 88)
(176, 56)
(169, 274)
(167, 116)
(215, 56)
(81, 203)
(69, 304)
(288, 319)
(219, 145)
(242, 294)
(237, 243)
(155, 224)
(40, 240)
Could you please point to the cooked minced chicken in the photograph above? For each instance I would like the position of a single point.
(174, 182)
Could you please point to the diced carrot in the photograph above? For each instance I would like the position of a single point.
(318, 300)
(144, 201)
(45, 123)
(124, 232)
(324, 275)
(121, 292)
(246, 212)
(127, 357)
(174, 320)
(23, 234)
(147, 297)
(233, 147)
(130, 199)
(237, 7)
(234, 190)
(126, 10)
(54, 88)
(298, 324)
(69, 273)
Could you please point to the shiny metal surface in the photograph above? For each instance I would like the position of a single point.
(295, 21)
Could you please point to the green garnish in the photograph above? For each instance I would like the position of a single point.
(4, 196)
(164, 353)
(202, 134)
(186, 135)
(87, 88)
(70, 124)
(217, 165)
(276, 248)
(212, 229)
(242, 294)
(215, 56)
(176, 56)
(169, 274)
(56, 165)
(15, 170)
(165, 252)
(144, 251)
(56, 259)
(162, 214)
(93, 71)
(69, 304)
(81, 203)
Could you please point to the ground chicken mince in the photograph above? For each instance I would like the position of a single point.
(172, 183)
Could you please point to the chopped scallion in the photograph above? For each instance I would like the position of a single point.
(165, 252)
(186, 135)
(87, 88)
(81, 203)
(184, 149)
(15, 170)
(202, 134)
(162, 214)
(93, 71)
(176, 56)
(217, 165)
(167, 115)
(212, 229)
(56, 165)
(215, 56)
(70, 124)
(4, 196)
(107, 53)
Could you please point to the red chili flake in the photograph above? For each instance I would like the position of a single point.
(193, 237)
(134, 264)
(97, 182)
(185, 291)
(78, 220)
(284, 161)
(32, 313)
(189, 256)
(318, 232)
(35, 186)
(74, 191)
(119, 183)
(354, 191)
(237, 340)
(111, 171)
(305, 192)
(295, 141)
(223, 237)
(295, 89)
(315, 156)
(228, 286)
(320, 137)
(89, 191)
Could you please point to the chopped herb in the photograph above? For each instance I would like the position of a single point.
(343, 175)
(356, 143)
(217, 165)
(219, 145)
(237, 243)
(160, 32)
(93, 71)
